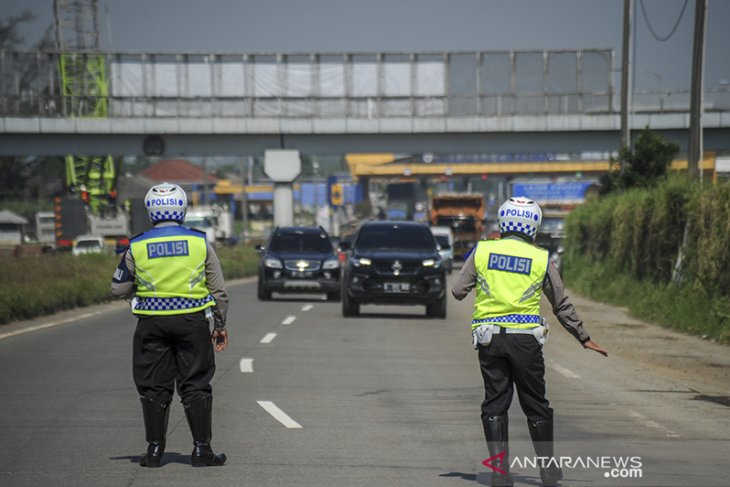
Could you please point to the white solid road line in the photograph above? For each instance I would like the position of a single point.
(288, 320)
(563, 371)
(279, 415)
(307, 307)
(268, 338)
(246, 365)
(652, 424)
(48, 325)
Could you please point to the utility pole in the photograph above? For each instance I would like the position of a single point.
(695, 156)
(625, 74)
(204, 194)
(245, 181)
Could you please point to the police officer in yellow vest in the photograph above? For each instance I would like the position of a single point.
(174, 280)
(510, 275)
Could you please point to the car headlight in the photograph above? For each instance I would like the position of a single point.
(362, 261)
(435, 263)
(273, 263)
(331, 264)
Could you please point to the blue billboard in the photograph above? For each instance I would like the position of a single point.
(563, 192)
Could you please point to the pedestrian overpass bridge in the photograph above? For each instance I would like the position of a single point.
(479, 104)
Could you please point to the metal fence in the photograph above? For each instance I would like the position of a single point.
(352, 85)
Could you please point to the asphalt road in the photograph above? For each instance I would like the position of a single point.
(386, 399)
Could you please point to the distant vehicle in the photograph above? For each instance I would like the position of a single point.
(445, 240)
(551, 235)
(462, 212)
(90, 205)
(45, 227)
(491, 230)
(88, 244)
(406, 201)
(556, 257)
(201, 221)
(215, 221)
(299, 260)
(394, 263)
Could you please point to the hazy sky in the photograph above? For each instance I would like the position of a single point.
(256, 26)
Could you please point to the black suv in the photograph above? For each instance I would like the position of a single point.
(298, 260)
(394, 263)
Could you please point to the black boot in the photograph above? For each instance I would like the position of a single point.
(541, 433)
(496, 430)
(155, 416)
(200, 418)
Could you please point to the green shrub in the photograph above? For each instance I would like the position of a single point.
(238, 261)
(623, 249)
(37, 286)
(684, 308)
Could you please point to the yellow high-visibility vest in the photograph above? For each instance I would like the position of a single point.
(170, 271)
(510, 273)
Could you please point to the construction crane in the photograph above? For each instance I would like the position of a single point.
(82, 67)
(84, 93)
(90, 180)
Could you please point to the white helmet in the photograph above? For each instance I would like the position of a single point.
(166, 202)
(520, 215)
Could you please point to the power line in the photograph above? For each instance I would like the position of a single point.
(651, 29)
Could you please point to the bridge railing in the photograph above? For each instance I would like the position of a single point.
(357, 85)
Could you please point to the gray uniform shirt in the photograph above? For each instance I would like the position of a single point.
(125, 287)
(552, 286)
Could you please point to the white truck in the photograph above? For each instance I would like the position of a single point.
(215, 221)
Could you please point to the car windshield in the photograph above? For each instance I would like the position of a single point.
(300, 241)
(88, 244)
(407, 237)
(457, 224)
(443, 241)
(552, 224)
(198, 222)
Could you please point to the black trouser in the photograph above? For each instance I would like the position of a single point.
(169, 349)
(514, 360)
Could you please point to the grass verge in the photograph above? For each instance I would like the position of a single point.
(42, 285)
(685, 308)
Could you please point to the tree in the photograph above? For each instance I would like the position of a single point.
(9, 36)
(643, 166)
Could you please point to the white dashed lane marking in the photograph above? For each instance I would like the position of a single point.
(652, 424)
(268, 338)
(307, 307)
(246, 365)
(563, 371)
(279, 415)
(288, 320)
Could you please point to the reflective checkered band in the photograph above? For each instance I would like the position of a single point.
(521, 319)
(177, 216)
(518, 227)
(170, 304)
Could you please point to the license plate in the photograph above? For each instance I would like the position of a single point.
(396, 287)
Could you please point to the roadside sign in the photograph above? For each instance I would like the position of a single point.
(563, 192)
(337, 195)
